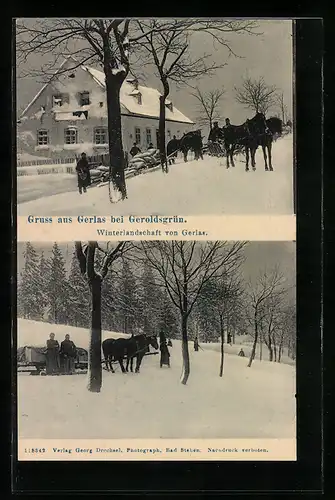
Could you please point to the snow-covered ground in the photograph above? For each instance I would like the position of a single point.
(34, 187)
(256, 402)
(192, 188)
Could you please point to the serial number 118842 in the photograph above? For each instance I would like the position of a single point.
(34, 450)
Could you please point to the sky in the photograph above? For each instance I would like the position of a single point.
(267, 55)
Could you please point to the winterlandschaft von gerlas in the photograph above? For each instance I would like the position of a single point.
(220, 365)
(168, 120)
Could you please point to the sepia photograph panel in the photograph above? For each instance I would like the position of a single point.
(189, 116)
(156, 340)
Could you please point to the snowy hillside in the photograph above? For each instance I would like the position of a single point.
(256, 402)
(193, 188)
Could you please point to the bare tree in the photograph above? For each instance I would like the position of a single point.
(104, 42)
(86, 255)
(209, 103)
(280, 101)
(166, 45)
(184, 268)
(222, 296)
(256, 94)
(267, 286)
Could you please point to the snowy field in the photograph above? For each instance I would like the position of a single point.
(192, 188)
(256, 402)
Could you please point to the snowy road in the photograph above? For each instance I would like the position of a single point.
(195, 188)
(256, 402)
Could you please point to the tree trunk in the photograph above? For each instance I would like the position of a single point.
(185, 353)
(270, 349)
(94, 351)
(116, 153)
(253, 350)
(222, 345)
(161, 128)
(260, 348)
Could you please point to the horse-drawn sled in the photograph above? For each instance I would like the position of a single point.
(32, 359)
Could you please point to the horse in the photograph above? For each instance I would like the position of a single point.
(264, 131)
(118, 349)
(192, 141)
(172, 148)
(143, 343)
(238, 135)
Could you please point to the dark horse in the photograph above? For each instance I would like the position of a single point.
(253, 133)
(135, 347)
(265, 131)
(238, 135)
(192, 141)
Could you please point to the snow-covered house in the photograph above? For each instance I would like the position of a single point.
(69, 115)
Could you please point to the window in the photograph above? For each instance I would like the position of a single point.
(71, 135)
(148, 134)
(137, 135)
(57, 100)
(100, 135)
(60, 99)
(42, 138)
(84, 98)
(169, 134)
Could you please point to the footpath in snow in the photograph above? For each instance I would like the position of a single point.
(256, 402)
(192, 188)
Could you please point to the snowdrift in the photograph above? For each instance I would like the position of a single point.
(192, 188)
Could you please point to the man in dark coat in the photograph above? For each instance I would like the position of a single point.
(83, 172)
(214, 133)
(196, 344)
(213, 138)
(134, 150)
(68, 353)
(52, 356)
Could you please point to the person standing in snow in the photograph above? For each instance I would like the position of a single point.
(68, 353)
(165, 354)
(83, 173)
(134, 150)
(196, 344)
(52, 356)
(213, 138)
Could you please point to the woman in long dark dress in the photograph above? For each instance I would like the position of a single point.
(165, 355)
(52, 357)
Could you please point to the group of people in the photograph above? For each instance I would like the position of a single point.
(136, 150)
(60, 359)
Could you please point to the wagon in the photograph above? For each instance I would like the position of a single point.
(32, 359)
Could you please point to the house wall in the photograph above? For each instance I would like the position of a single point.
(56, 119)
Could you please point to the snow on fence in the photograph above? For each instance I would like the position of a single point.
(47, 169)
(45, 161)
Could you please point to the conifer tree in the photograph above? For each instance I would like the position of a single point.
(58, 288)
(29, 292)
(128, 300)
(78, 308)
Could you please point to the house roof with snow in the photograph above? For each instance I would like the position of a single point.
(148, 105)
